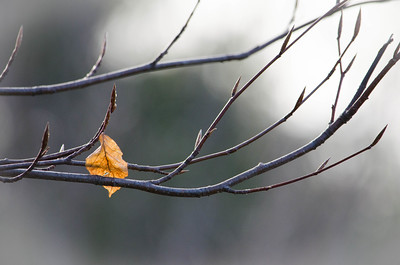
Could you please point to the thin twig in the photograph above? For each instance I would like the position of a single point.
(176, 37)
(99, 59)
(111, 107)
(320, 170)
(42, 151)
(292, 19)
(227, 184)
(232, 99)
(364, 82)
(13, 54)
(149, 67)
(344, 72)
(326, 134)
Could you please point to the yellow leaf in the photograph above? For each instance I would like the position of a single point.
(107, 161)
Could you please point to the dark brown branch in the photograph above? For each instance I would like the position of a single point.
(228, 184)
(325, 135)
(320, 170)
(162, 190)
(150, 67)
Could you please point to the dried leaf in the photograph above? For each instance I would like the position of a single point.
(107, 161)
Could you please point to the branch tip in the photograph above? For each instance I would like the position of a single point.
(113, 101)
(322, 165)
(379, 136)
(340, 26)
(45, 139)
(396, 53)
(198, 138)
(286, 41)
(350, 64)
(99, 59)
(234, 89)
(18, 42)
(357, 26)
(299, 100)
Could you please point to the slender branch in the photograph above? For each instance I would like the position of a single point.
(293, 17)
(150, 67)
(111, 107)
(13, 54)
(371, 69)
(325, 135)
(320, 170)
(343, 72)
(234, 95)
(176, 37)
(65, 157)
(42, 151)
(99, 59)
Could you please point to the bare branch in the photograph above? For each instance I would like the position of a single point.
(148, 186)
(150, 67)
(320, 170)
(14, 170)
(364, 82)
(318, 141)
(233, 98)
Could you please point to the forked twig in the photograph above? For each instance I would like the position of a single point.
(344, 72)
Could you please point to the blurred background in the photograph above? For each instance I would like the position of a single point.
(349, 215)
